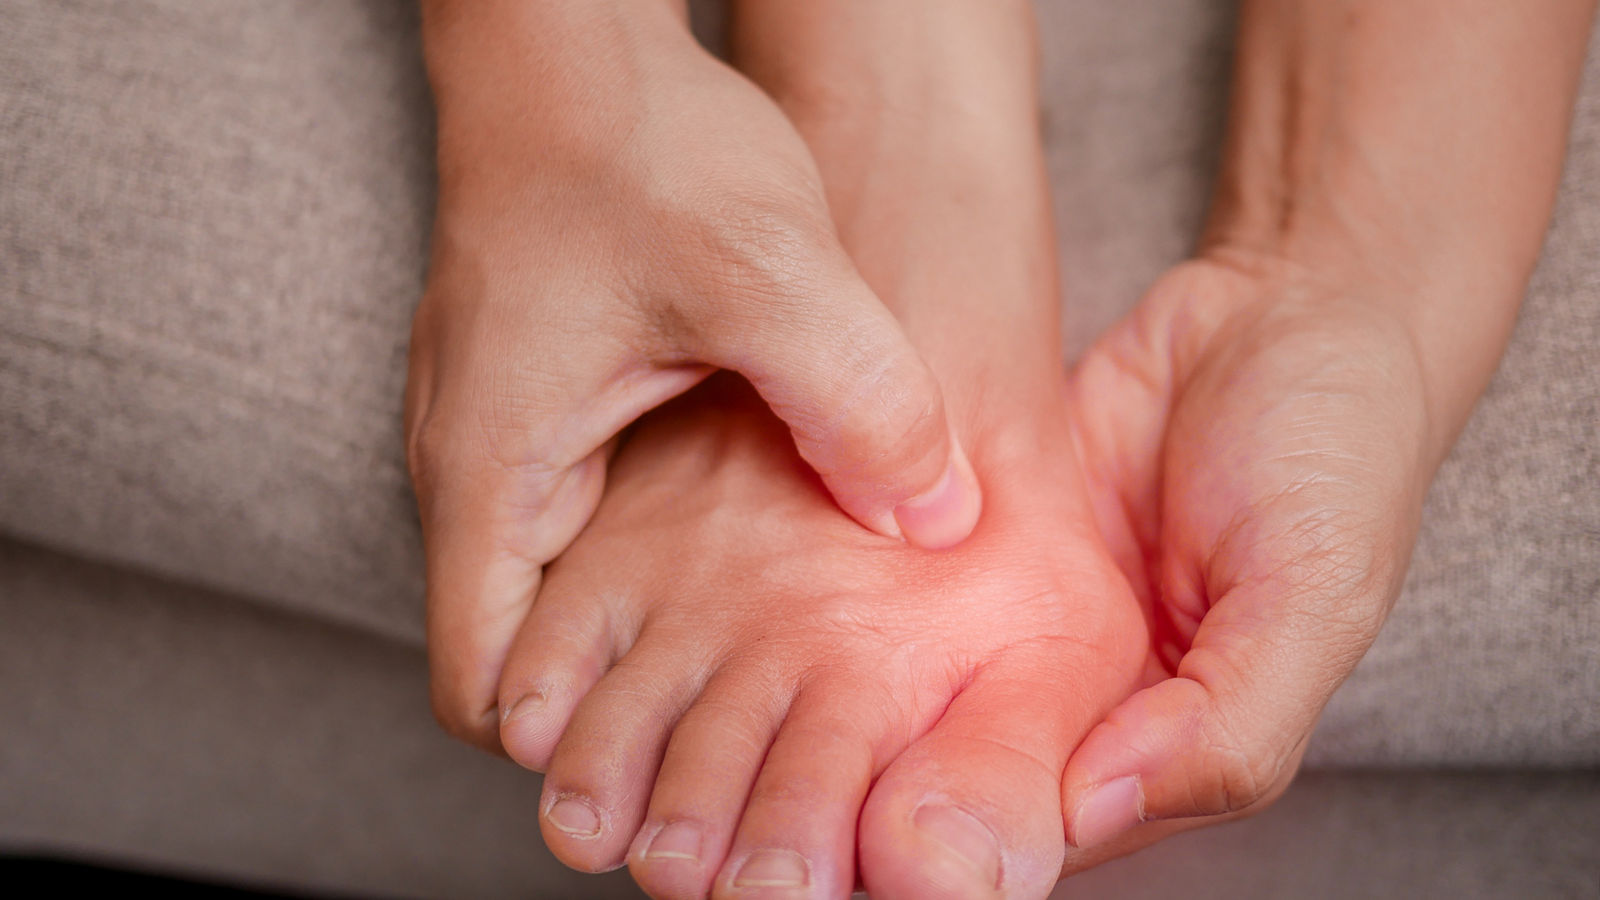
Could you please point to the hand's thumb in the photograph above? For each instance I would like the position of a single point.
(1190, 747)
(865, 410)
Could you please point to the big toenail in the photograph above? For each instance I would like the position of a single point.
(966, 837)
(773, 868)
(574, 817)
(527, 703)
(679, 840)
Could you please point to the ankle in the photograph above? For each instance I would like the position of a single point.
(881, 74)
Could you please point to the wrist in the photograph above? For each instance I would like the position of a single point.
(1403, 154)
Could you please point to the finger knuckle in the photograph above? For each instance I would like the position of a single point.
(428, 446)
(1238, 773)
(490, 427)
(891, 414)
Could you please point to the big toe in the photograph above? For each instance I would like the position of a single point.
(971, 810)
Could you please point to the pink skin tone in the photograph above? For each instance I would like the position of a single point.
(730, 675)
(739, 692)
(1185, 544)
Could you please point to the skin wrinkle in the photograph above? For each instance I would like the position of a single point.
(1241, 768)
(722, 712)
(576, 632)
(948, 683)
(1181, 620)
(1073, 640)
(913, 727)
(1321, 535)
(880, 385)
(1300, 632)
(1049, 771)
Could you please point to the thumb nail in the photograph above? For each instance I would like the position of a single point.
(1108, 811)
(945, 514)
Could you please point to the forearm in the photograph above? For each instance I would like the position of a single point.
(926, 111)
(1410, 153)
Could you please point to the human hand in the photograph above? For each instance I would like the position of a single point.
(1258, 445)
(1259, 434)
(619, 214)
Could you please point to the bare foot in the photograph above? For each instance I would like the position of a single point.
(739, 691)
(724, 665)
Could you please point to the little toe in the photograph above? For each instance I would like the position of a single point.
(561, 650)
(796, 838)
(971, 809)
(603, 768)
(705, 779)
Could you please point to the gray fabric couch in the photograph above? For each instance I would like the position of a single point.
(213, 228)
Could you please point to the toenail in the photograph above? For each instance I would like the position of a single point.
(678, 840)
(1109, 810)
(773, 868)
(574, 817)
(965, 837)
(527, 703)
